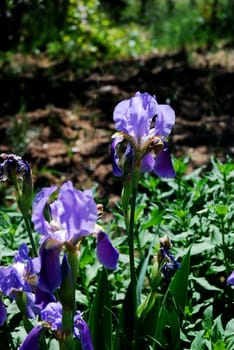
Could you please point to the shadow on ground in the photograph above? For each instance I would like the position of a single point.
(62, 124)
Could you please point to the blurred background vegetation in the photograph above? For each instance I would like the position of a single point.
(85, 32)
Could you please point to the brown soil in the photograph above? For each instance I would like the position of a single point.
(65, 128)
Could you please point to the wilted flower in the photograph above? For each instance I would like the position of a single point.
(17, 170)
(13, 167)
(230, 279)
(144, 125)
(72, 216)
(168, 264)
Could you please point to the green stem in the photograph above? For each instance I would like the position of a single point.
(131, 231)
(67, 295)
(29, 229)
(224, 245)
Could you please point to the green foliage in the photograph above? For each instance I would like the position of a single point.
(84, 33)
(195, 209)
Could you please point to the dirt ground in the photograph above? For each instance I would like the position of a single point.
(62, 124)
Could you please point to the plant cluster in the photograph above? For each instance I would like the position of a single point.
(83, 33)
(162, 274)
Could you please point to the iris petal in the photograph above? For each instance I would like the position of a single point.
(163, 165)
(82, 332)
(80, 213)
(39, 203)
(3, 312)
(165, 120)
(50, 274)
(134, 116)
(117, 171)
(106, 253)
(147, 163)
(230, 279)
(32, 339)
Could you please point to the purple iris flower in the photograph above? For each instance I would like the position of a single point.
(21, 277)
(70, 217)
(230, 279)
(144, 124)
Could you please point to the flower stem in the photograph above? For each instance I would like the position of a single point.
(131, 229)
(224, 245)
(29, 229)
(68, 287)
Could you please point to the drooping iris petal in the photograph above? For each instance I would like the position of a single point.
(41, 225)
(31, 309)
(31, 342)
(50, 274)
(3, 312)
(117, 171)
(230, 279)
(147, 163)
(106, 253)
(43, 298)
(165, 120)
(82, 332)
(52, 314)
(163, 165)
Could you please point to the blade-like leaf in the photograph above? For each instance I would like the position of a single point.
(124, 333)
(100, 320)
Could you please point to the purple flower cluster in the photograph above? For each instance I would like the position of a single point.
(21, 278)
(51, 317)
(144, 125)
(62, 223)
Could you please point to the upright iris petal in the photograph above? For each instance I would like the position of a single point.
(134, 116)
(144, 124)
(72, 215)
(41, 225)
